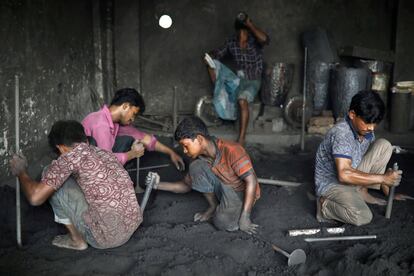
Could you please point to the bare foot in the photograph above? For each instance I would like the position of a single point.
(65, 241)
(204, 216)
(371, 199)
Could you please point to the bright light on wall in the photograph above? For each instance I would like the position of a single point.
(165, 21)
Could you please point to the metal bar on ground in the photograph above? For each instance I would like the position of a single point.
(17, 129)
(301, 232)
(149, 167)
(343, 238)
(313, 231)
(302, 133)
(278, 182)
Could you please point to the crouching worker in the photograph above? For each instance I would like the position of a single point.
(223, 172)
(349, 161)
(89, 190)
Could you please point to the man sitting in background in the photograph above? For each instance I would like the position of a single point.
(89, 190)
(349, 161)
(245, 48)
(111, 129)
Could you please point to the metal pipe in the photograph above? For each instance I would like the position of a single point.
(302, 133)
(300, 232)
(152, 121)
(175, 108)
(343, 238)
(278, 182)
(391, 196)
(17, 129)
(150, 181)
(149, 167)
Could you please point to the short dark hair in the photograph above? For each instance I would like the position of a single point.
(369, 106)
(189, 128)
(128, 95)
(66, 133)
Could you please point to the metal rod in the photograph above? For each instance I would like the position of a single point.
(137, 175)
(149, 182)
(313, 231)
(278, 182)
(300, 232)
(280, 250)
(391, 196)
(175, 108)
(149, 167)
(343, 238)
(152, 121)
(17, 129)
(302, 133)
(138, 189)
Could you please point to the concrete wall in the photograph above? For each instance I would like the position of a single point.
(49, 45)
(70, 58)
(404, 44)
(173, 56)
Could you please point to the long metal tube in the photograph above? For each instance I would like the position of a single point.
(278, 182)
(302, 133)
(343, 238)
(391, 196)
(149, 167)
(17, 129)
(175, 108)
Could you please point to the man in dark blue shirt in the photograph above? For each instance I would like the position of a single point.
(349, 160)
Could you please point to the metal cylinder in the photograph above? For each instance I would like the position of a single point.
(345, 83)
(400, 110)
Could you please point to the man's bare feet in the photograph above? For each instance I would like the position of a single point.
(204, 216)
(371, 199)
(65, 241)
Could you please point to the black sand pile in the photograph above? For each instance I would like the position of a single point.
(169, 243)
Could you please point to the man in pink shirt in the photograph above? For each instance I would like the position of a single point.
(111, 129)
(90, 192)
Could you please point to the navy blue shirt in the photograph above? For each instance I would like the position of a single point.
(341, 141)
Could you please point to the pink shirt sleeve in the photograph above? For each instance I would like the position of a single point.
(105, 140)
(137, 134)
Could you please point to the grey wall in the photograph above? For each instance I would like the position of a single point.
(70, 57)
(173, 57)
(49, 45)
(404, 44)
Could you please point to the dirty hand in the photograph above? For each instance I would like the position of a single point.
(392, 178)
(178, 161)
(152, 178)
(18, 164)
(137, 148)
(246, 225)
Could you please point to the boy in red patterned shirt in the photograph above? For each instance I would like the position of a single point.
(89, 190)
(223, 172)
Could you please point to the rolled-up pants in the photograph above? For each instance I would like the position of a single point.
(228, 211)
(343, 202)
